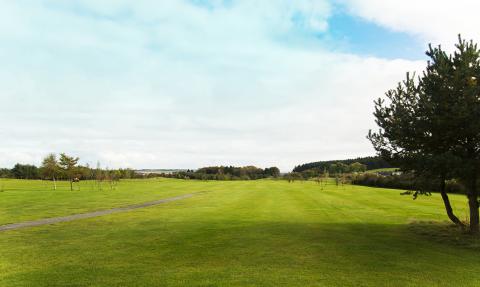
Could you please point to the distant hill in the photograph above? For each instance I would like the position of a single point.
(372, 162)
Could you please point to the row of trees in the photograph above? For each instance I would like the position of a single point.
(333, 169)
(407, 181)
(65, 167)
(370, 162)
(430, 125)
(23, 171)
(227, 173)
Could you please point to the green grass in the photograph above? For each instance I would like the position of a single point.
(24, 200)
(242, 233)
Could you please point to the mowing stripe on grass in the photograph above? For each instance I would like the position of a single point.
(91, 214)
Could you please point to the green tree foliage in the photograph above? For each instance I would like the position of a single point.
(371, 162)
(407, 181)
(68, 164)
(432, 126)
(227, 173)
(357, 167)
(50, 168)
(333, 168)
(5, 173)
(25, 171)
(272, 171)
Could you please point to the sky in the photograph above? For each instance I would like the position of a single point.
(192, 83)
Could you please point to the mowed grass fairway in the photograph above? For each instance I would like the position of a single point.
(238, 233)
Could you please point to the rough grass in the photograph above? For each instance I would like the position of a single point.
(242, 233)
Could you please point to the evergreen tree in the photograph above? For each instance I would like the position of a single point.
(432, 126)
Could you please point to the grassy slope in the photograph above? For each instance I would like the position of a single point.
(258, 233)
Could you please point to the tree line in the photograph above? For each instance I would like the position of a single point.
(430, 125)
(331, 169)
(370, 162)
(409, 181)
(226, 173)
(65, 167)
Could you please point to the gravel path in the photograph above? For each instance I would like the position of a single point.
(90, 214)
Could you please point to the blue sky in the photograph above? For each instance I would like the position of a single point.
(184, 84)
(355, 35)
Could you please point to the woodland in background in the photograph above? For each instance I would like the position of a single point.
(332, 166)
(226, 173)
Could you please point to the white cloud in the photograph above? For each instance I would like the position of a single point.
(438, 22)
(172, 84)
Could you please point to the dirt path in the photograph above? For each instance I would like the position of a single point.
(90, 214)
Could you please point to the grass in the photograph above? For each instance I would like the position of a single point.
(24, 200)
(242, 233)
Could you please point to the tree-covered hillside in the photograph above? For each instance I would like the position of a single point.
(371, 162)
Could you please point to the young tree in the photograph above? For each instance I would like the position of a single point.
(325, 177)
(99, 176)
(50, 168)
(68, 165)
(432, 126)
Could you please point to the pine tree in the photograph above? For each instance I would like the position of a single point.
(432, 126)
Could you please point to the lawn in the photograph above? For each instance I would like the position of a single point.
(239, 233)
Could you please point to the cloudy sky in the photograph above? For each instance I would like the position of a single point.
(184, 84)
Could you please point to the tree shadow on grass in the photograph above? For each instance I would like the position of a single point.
(445, 233)
(239, 253)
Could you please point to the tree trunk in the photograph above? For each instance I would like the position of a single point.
(473, 206)
(448, 206)
(71, 184)
(474, 219)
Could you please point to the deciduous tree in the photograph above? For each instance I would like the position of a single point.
(50, 168)
(68, 165)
